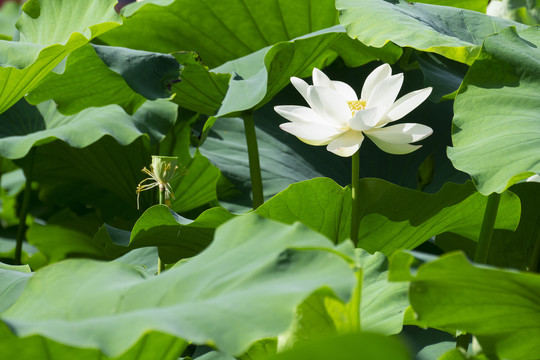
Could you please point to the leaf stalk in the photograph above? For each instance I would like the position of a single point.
(356, 301)
(486, 232)
(355, 184)
(24, 207)
(161, 201)
(254, 161)
(483, 247)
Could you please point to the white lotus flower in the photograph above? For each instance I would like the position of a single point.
(534, 178)
(339, 119)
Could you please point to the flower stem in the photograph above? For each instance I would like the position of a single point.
(356, 301)
(254, 162)
(355, 221)
(161, 196)
(484, 240)
(482, 248)
(24, 208)
(535, 255)
(161, 200)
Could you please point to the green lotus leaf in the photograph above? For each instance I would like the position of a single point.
(213, 355)
(66, 235)
(499, 144)
(349, 347)
(261, 75)
(219, 31)
(197, 185)
(49, 31)
(292, 45)
(7, 247)
(175, 236)
(25, 126)
(100, 75)
(383, 303)
(251, 81)
(12, 283)
(147, 258)
(200, 90)
(25, 65)
(382, 306)
(428, 343)
(226, 149)
(392, 217)
(260, 349)
(102, 176)
(222, 296)
(457, 354)
(152, 345)
(9, 13)
(516, 249)
(475, 5)
(500, 307)
(48, 22)
(320, 204)
(443, 75)
(105, 174)
(14, 279)
(78, 162)
(451, 32)
(16, 181)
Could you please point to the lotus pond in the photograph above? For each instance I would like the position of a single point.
(270, 179)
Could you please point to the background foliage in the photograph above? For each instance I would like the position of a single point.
(88, 95)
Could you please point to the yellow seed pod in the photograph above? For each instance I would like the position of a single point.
(163, 170)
